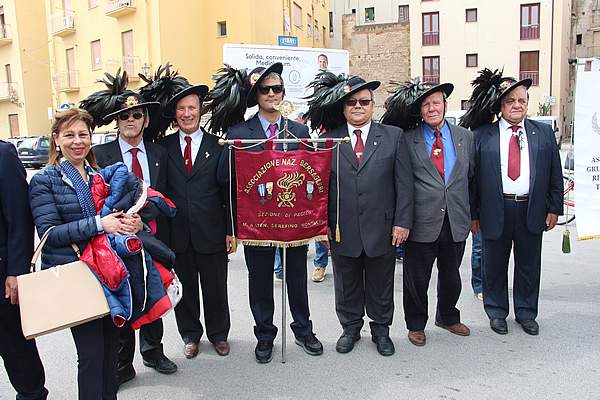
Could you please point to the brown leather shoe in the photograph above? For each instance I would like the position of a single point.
(222, 348)
(459, 328)
(190, 350)
(417, 338)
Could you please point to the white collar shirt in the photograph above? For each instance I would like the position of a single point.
(196, 142)
(142, 157)
(520, 186)
(364, 132)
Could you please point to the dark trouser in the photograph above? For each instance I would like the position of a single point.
(212, 269)
(97, 345)
(418, 263)
(260, 281)
(21, 358)
(364, 282)
(476, 263)
(527, 250)
(150, 344)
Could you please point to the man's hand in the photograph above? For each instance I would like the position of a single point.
(399, 235)
(10, 290)
(138, 225)
(329, 236)
(475, 227)
(551, 220)
(229, 244)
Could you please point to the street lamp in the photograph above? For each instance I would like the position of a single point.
(145, 69)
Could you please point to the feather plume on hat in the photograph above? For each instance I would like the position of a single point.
(227, 100)
(324, 110)
(104, 102)
(399, 103)
(486, 89)
(161, 87)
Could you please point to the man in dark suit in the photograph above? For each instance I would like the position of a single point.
(266, 88)
(148, 161)
(374, 216)
(21, 359)
(442, 165)
(198, 233)
(516, 196)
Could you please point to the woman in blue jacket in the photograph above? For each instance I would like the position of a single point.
(60, 196)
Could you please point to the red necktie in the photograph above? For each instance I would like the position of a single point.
(437, 154)
(136, 168)
(187, 154)
(514, 155)
(359, 146)
(273, 129)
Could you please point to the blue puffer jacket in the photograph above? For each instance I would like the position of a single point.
(54, 203)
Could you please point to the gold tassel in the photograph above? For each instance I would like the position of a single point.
(234, 244)
(566, 243)
(337, 232)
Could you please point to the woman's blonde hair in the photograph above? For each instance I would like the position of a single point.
(62, 120)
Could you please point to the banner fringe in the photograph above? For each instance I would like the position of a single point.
(274, 243)
(588, 237)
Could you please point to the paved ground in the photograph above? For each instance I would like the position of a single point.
(563, 362)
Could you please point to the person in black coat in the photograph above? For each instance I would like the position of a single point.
(266, 91)
(21, 359)
(149, 164)
(197, 234)
(60, 197)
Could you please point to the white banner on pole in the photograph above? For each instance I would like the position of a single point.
(587, 149)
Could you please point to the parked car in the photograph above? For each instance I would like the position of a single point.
(103, 137)
(33, 152)
(553, 122)
(16, 141)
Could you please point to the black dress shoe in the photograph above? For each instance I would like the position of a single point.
(161, 364)
(264, 351)
(126, 375)
(529, 326)
(385, 346)
(345, 343)
(499, 326)
(311, 344)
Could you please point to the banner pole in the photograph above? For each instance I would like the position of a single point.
(283, 304)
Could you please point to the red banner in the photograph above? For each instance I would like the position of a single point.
(282, 196)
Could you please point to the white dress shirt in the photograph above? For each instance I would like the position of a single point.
(196, 142)
(364, 132)
(142, 157)
(520, 186)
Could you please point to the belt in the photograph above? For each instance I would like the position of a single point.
(516, 197)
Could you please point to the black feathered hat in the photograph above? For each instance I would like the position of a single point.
(103, 102)
(398, 105)
(356, 84)
(447, 88)
(507, 86)
(226, 101)
(130, 101)
(200, 90)
(255, 77)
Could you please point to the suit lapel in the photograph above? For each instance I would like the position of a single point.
(493, 149)
(370, 145)
(459, 150)
(533, 145)
(175, 154)
(114, 155)
(153, 165)
(205, 152)
(424, 155)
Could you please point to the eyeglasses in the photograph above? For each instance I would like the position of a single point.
(362, 102)
(135, 115)
(264, 89)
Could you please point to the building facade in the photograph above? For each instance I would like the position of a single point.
(25, 90)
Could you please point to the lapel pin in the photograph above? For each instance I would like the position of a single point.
(459, 145)
(206, 154)
(374, 143)
(533, 133)
(157, 164)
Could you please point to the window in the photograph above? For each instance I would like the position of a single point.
(471, 15)
(471, 60)
(579, 38)
(369, 14)
(530, 21)
(431, 69)
(128, 54)
(308, 24)
(222, 31)
(297, 15)
(96, 55)
(331, 22)
(92, 3)
(403, 13)
(529, 66)
(431, 33)
(316, 30)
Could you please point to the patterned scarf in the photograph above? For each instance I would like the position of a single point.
(82, 189)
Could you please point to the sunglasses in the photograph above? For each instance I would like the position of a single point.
(264, 89)
(135, 115)
(362, 102)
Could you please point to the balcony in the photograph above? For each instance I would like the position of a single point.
(118, 8)
(8, 92)
(131, 64)
(530, 74)
(431, 38)
(431, 78)
(5, 34)
(63, 23)
(66, 81)
(530, 32)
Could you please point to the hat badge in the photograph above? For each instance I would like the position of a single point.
(131, 101)
(505, 85)
(254, 77)
(347, 89)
